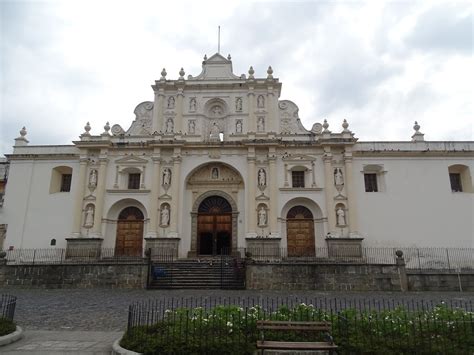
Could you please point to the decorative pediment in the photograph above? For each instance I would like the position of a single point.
(216, 67)
(143, 119)
(131, 160)
(298, 157)
(289, 120)
(212, 174)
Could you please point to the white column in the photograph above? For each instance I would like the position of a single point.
(251, 124)
(78, 200)
(175, 191)
(273, 185)
(250, 194)
(178, 124)
(328, 188)
(349, 184)
(154, 194)
(157, 124)
(100, 195)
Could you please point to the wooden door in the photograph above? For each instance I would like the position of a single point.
(129, 240)
(300, 232)
(214, 228)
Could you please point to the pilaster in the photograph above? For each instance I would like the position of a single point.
(154, 193)
(329, 191)
(250, 194)
(157, 124)
(175, 191)
(100, 195)
(353, 227)
(78, 201)
(251, 126)
(273, 184)
(178, 124)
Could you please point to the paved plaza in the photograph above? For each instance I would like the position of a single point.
(87, 321)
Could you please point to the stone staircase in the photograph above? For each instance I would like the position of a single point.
(209, 273)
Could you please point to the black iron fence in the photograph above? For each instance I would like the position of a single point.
(69, 256)
(229, 326)
(449, 259)
(7, 306)
(452, 259)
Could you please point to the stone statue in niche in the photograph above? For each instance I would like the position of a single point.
(192, 104)
(93, 178)
(165, 216)
(238, 126)
(216, 110)
(238, 104)
(166, 177)
(171, 102)
(215, 173)
(191, 127)
(338, 177)
(169, 125)
(89, 217)
(262, 178)
(261, 124)
(262, 217)
(341, 217)
(260, 101)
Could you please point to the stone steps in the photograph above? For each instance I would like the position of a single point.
(193, 274)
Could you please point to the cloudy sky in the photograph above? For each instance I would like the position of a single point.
(380, 65)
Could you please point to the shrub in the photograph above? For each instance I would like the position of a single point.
(232, 330)
(6, 326)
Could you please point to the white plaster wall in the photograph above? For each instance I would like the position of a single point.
(34, 216)
(418, 207)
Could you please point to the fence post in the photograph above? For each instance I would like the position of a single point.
(419, 260)
(34, 256)
(400, 262)
(447, 257)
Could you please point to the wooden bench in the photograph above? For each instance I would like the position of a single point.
(318, 327)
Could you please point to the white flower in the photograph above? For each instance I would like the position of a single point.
(229, 324)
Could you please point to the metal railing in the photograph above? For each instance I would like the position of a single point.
(7, 306)
(452, 259)
(358, 326)
(448, 259)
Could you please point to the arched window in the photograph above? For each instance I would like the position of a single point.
(374, 178)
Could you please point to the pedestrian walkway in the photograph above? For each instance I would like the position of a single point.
(44, 342)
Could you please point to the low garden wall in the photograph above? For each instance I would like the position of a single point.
(323, 277)
(75, 276)
(440, 281)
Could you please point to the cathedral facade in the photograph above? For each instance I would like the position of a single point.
(217, 163)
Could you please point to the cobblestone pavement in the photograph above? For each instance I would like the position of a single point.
(106, 309)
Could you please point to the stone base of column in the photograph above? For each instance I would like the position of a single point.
(83, 248)
(344, 247)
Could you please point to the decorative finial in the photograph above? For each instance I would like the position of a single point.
(418, 136)
(181, 73)
(163, 74)
(229, 57)
(87, 129)
(270, 72)
(345, 125)
(416, 127)
(21, 141)
(107, 128)
(205, 56)
(251, 72)
(326, 126)
(23, 132)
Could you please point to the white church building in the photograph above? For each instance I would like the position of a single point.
(217, 162)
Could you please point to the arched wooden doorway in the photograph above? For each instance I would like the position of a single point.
(129, 238)
(214, 230)
(300, 232)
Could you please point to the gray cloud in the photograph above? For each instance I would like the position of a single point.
(444, 28)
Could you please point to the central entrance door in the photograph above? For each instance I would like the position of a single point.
(214, 226)
(300, 232)
(129, 232)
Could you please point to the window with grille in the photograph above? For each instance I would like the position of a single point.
(65, 182)
(297, 178)
(455, 179)
(370, 182)
(134, 181)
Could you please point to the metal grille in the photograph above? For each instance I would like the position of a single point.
(297, 178)
(370, 182)
(134, 181)
(66, 182)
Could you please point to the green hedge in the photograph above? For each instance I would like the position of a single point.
(6, 326)
(232, 330)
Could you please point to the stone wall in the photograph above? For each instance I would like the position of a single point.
(439, 281)
(323, 277)
(74, 276)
